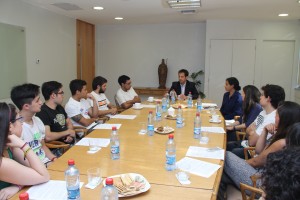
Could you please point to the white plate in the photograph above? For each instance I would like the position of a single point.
(173, 117)
(167, 130)
(150, 101)
(211, 121)
(133, 176)
(137, 108)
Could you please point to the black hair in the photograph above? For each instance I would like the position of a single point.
(275, 92)
(24, 94)
(289, 113)
(186, 72)
(76, 85)
(49, 88)
(281, 175)
(293, 135)
(7, 114)
(123, 79)
(233, 81)
(98, 80)
(252, 95)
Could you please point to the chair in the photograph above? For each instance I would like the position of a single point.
(249, 151)
(58, 145)
(254, 191)
(240, 135)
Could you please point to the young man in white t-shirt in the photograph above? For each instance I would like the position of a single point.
(270, 98)
(126, 96)
(104, 106)
(26, 98)
(78, 107)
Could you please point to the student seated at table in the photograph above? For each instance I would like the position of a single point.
(126, 96)
(78, 107)
(251, 109)
(13, 150)
(26, 97)
(232, 99)
(280, 178)
(270, 98)
(104, 105)
(237, 170)
(57, 124)
(183, 87)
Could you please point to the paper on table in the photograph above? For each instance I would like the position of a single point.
(201, 152)
(228, 122)
(123, 116)
(197, 167)
(209, 105)
(148, 106)
(212, 129)
(53, 189)
(107, 126)
(101, 142)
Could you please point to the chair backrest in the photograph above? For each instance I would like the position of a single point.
(253, 190)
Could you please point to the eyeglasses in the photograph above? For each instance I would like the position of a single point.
(17, 119)
(61, 92)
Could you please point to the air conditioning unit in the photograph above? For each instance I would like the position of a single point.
(181, 4)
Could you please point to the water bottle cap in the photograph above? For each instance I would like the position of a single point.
(114, 128)
(24, 196)
(150, 111)
(71, 162)
(197, 114)
(179, 106)
(109, 181)
(190, 92)
(171, 136)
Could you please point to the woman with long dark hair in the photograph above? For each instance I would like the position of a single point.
(232, 99)
(14, 151)
(251, 108)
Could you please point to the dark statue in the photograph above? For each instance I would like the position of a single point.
(162, 74)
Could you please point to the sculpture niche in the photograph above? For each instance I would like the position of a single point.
(162, 74)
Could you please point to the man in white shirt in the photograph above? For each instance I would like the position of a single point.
(104, 106)
(26, 98)
(78, 107)
(270, 98)
(126, 96)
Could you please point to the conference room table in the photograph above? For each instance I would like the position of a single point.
(146, 155)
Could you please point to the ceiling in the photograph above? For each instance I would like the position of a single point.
(157, 11)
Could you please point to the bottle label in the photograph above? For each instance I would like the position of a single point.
(115, 149)
(164, 107)
(158, 116)
(190, 103)
(74, 193)
(150, 128)
(170, 160)
(197, 131)
(179, 123)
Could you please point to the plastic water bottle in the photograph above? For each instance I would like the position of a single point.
(197, 126)
(109, 192)
(173, 98)
(164, 105)
(24, 196)
(150, 127)
(72, 181)
(114, 144)
(171, 154)
(168, 100)
(199, 104)
(179, 120)
(158, 112)
(190, 100)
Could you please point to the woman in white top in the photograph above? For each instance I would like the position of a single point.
(18, 163)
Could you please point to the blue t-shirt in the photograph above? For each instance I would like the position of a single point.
(232, 106)
(254, 112)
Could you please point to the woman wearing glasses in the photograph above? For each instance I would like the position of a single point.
(18, 163)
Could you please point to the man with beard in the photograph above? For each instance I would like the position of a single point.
(104, 106)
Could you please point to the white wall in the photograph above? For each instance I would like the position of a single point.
(50, 37)
(137, 50)
(258, 30)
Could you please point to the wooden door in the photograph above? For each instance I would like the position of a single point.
(85, 52)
